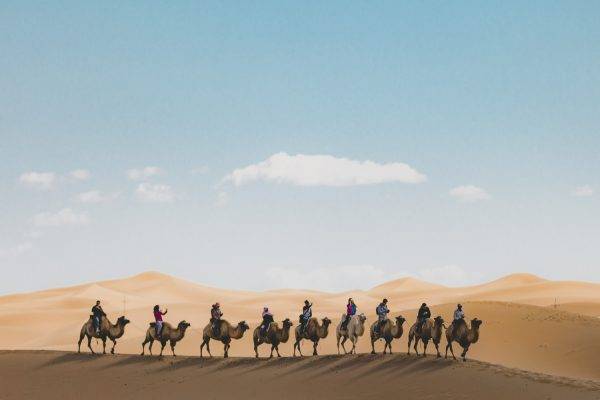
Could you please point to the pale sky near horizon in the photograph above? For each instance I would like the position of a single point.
(267, 145)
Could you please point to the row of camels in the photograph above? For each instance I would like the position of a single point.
(276, 334)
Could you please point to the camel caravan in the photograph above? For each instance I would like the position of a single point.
(350, 328)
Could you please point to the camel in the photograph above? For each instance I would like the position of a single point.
(432, 330)
(354, 329)
(313, 332)
(274, 336)
(389, 331)
(107, 330)
(168, 334)
(226, 333)
(464, 336)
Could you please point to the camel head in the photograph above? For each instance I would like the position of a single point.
(287, 323)
(475, 323)
(438, 321)
(326, 321)
(362, 318)
(122, 321)
(183, 325)
(243, 326)
(400, 320)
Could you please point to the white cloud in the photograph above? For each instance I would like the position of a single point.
(448, 275)
(331, 279)
(64, 217)
(17, 250)
(222, 199)
(583, 191)
(155, 193)
(95, 196)
(80, 174)
(138, 174)
(323, 170)
(469, 194)
(38, 180)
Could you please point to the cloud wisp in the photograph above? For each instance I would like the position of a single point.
(323, 170)
(38, 180)
(154, 193)
(64, 217)
(583, 191)
(469, 194)
(140, 174)
(95, 197)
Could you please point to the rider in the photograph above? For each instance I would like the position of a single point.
(158, 321)
(215, 318)
(459, 318)
(267, 318)
(350, 311)
(97, 313)
(423, 315)
(382, 312)
(305, 316)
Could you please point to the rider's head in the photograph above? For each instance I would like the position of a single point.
(265, 308)
(459, 306)
(156, 308)
(384, 301)
(423, 305)
(306, 302)
(350, 300)
(97, 302)
(217, 305)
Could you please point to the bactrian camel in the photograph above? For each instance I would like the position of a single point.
(388, 332)
(353, 330)
(168, 334)
(107, 330)
(225, 334)
(273, 336)
(313, 332)
(431, 330)
(464, 336)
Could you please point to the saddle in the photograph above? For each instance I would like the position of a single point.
(153, 324)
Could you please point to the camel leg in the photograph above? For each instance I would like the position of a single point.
(90, 344)
(81, 336)
(112, 351)
(373, 345)
(390, 345)
(162, 347)
(415, 346)
(437, 348)
(315, 347)
(338, 344)
(425, 343)
(104, 345)
(447, 346)
(208, 348)
(353, 340)
(146, 340)
(464, 353)
(344, 341)
(451, 350)
(410, 339)
(226, 350)
(150, 345)
(256, 348)
(297, 345)
(277, 350)
(173, 348)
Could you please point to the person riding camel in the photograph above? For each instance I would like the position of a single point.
(305, 316)
(423, 315)
(350, 311)
(382, 311)
(158, 321)
(267, 318)
(97, 313)
(215, 318)
(459, 318)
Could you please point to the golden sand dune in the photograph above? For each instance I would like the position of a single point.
(33, 375)
(522, 327)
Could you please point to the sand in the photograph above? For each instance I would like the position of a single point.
(522, 326)
(54, 375)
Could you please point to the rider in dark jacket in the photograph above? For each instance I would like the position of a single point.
(267, 317)
(305, 316)
(97, 313)
(423, 315)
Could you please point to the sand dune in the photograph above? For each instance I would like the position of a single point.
(34, 375)
(522, 327)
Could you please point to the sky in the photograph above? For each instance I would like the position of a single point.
(259, 145)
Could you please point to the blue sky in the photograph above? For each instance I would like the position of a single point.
(500, 96)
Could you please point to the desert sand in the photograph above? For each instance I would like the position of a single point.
(532, 324)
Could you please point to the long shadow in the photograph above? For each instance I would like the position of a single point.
(71, 357)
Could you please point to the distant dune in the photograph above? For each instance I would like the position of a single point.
(522, 326)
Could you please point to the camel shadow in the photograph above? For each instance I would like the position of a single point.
(71, 357)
